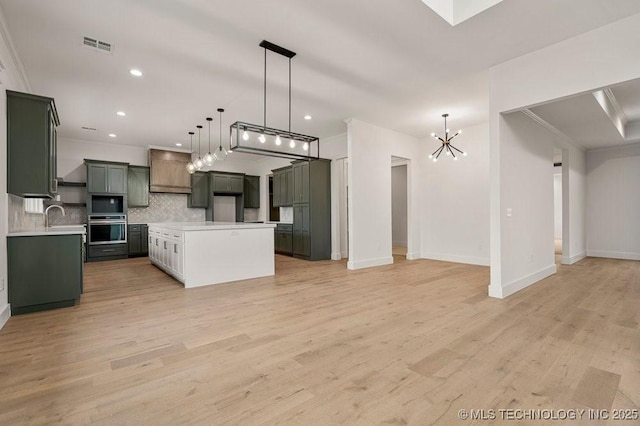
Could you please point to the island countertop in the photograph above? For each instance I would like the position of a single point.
(210, 226)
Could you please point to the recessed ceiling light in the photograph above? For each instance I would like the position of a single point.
(112, 135)
(135, 72)
(178, 144)
(307, 117)
(121, 113)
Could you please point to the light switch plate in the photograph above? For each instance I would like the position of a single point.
(509, 213)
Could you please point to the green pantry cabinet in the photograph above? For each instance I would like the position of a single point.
(307, 185)
(31, 145)
(45, 271)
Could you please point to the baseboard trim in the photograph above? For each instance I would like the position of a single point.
(519, 284)
(336, 256)
(361, 264)
(413, 256)
(5, 315)
(457, 259)
(613, 255)
(566, 260)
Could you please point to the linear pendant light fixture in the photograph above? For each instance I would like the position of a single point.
(447, 146)
(263, 140)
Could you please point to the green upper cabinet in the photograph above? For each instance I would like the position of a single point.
(31, 145)
(252, 192)
(227, 183)
(138, 186)
(199, 196)
(106, 178)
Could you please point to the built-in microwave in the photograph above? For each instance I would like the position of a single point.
(107, 229)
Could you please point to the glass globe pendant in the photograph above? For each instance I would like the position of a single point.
(209, 159)
(221, 153)
(191, 168)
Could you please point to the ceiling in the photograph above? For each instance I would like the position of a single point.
(583, 120)
(394, 63)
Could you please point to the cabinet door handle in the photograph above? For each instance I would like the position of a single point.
(165, 245)
(156, 242)
(175, 248)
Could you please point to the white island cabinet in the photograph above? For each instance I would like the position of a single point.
(203, 253)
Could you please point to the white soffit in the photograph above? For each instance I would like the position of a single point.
(456, 11)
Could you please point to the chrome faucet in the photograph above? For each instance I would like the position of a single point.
(46, 214)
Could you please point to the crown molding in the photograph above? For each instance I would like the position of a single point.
(616, 106)
(563, 138)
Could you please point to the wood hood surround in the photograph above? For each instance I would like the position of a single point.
(169, 171)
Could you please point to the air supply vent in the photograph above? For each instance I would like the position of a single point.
(97, 45)
(91, 129)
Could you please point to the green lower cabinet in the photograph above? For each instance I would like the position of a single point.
(45, 272)
(138, 240)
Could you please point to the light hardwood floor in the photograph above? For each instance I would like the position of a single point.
(409, 343)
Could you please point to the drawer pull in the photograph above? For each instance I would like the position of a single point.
(108, 250)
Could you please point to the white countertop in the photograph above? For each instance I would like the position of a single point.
(210, 226)
(52, 230)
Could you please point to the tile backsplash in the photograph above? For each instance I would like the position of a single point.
(162, 208)
(286, 214)
(74, 215)
(19, 220)
(166, 208)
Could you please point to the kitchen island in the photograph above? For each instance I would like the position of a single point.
(204, 253)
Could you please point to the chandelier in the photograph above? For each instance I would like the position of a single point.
(447, 146)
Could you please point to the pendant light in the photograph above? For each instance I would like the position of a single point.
(199, 163)
(221, 153)
(209, 159)
(191, 168)
(447, 146)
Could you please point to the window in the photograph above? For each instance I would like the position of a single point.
(33, 205)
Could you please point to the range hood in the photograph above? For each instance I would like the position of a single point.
(168, 171)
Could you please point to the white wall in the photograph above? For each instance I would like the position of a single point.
(526, 169)
(11, 78)
(370, 149)
(613, 202)
(455, 210)
(574, 187)
(73, 152)
(581, 64)
(399, 205)
(557, 203)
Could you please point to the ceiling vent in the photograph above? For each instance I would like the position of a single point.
(91, 129)
(97, 45)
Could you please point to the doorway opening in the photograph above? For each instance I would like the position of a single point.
(557, 205)
(399, 207)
